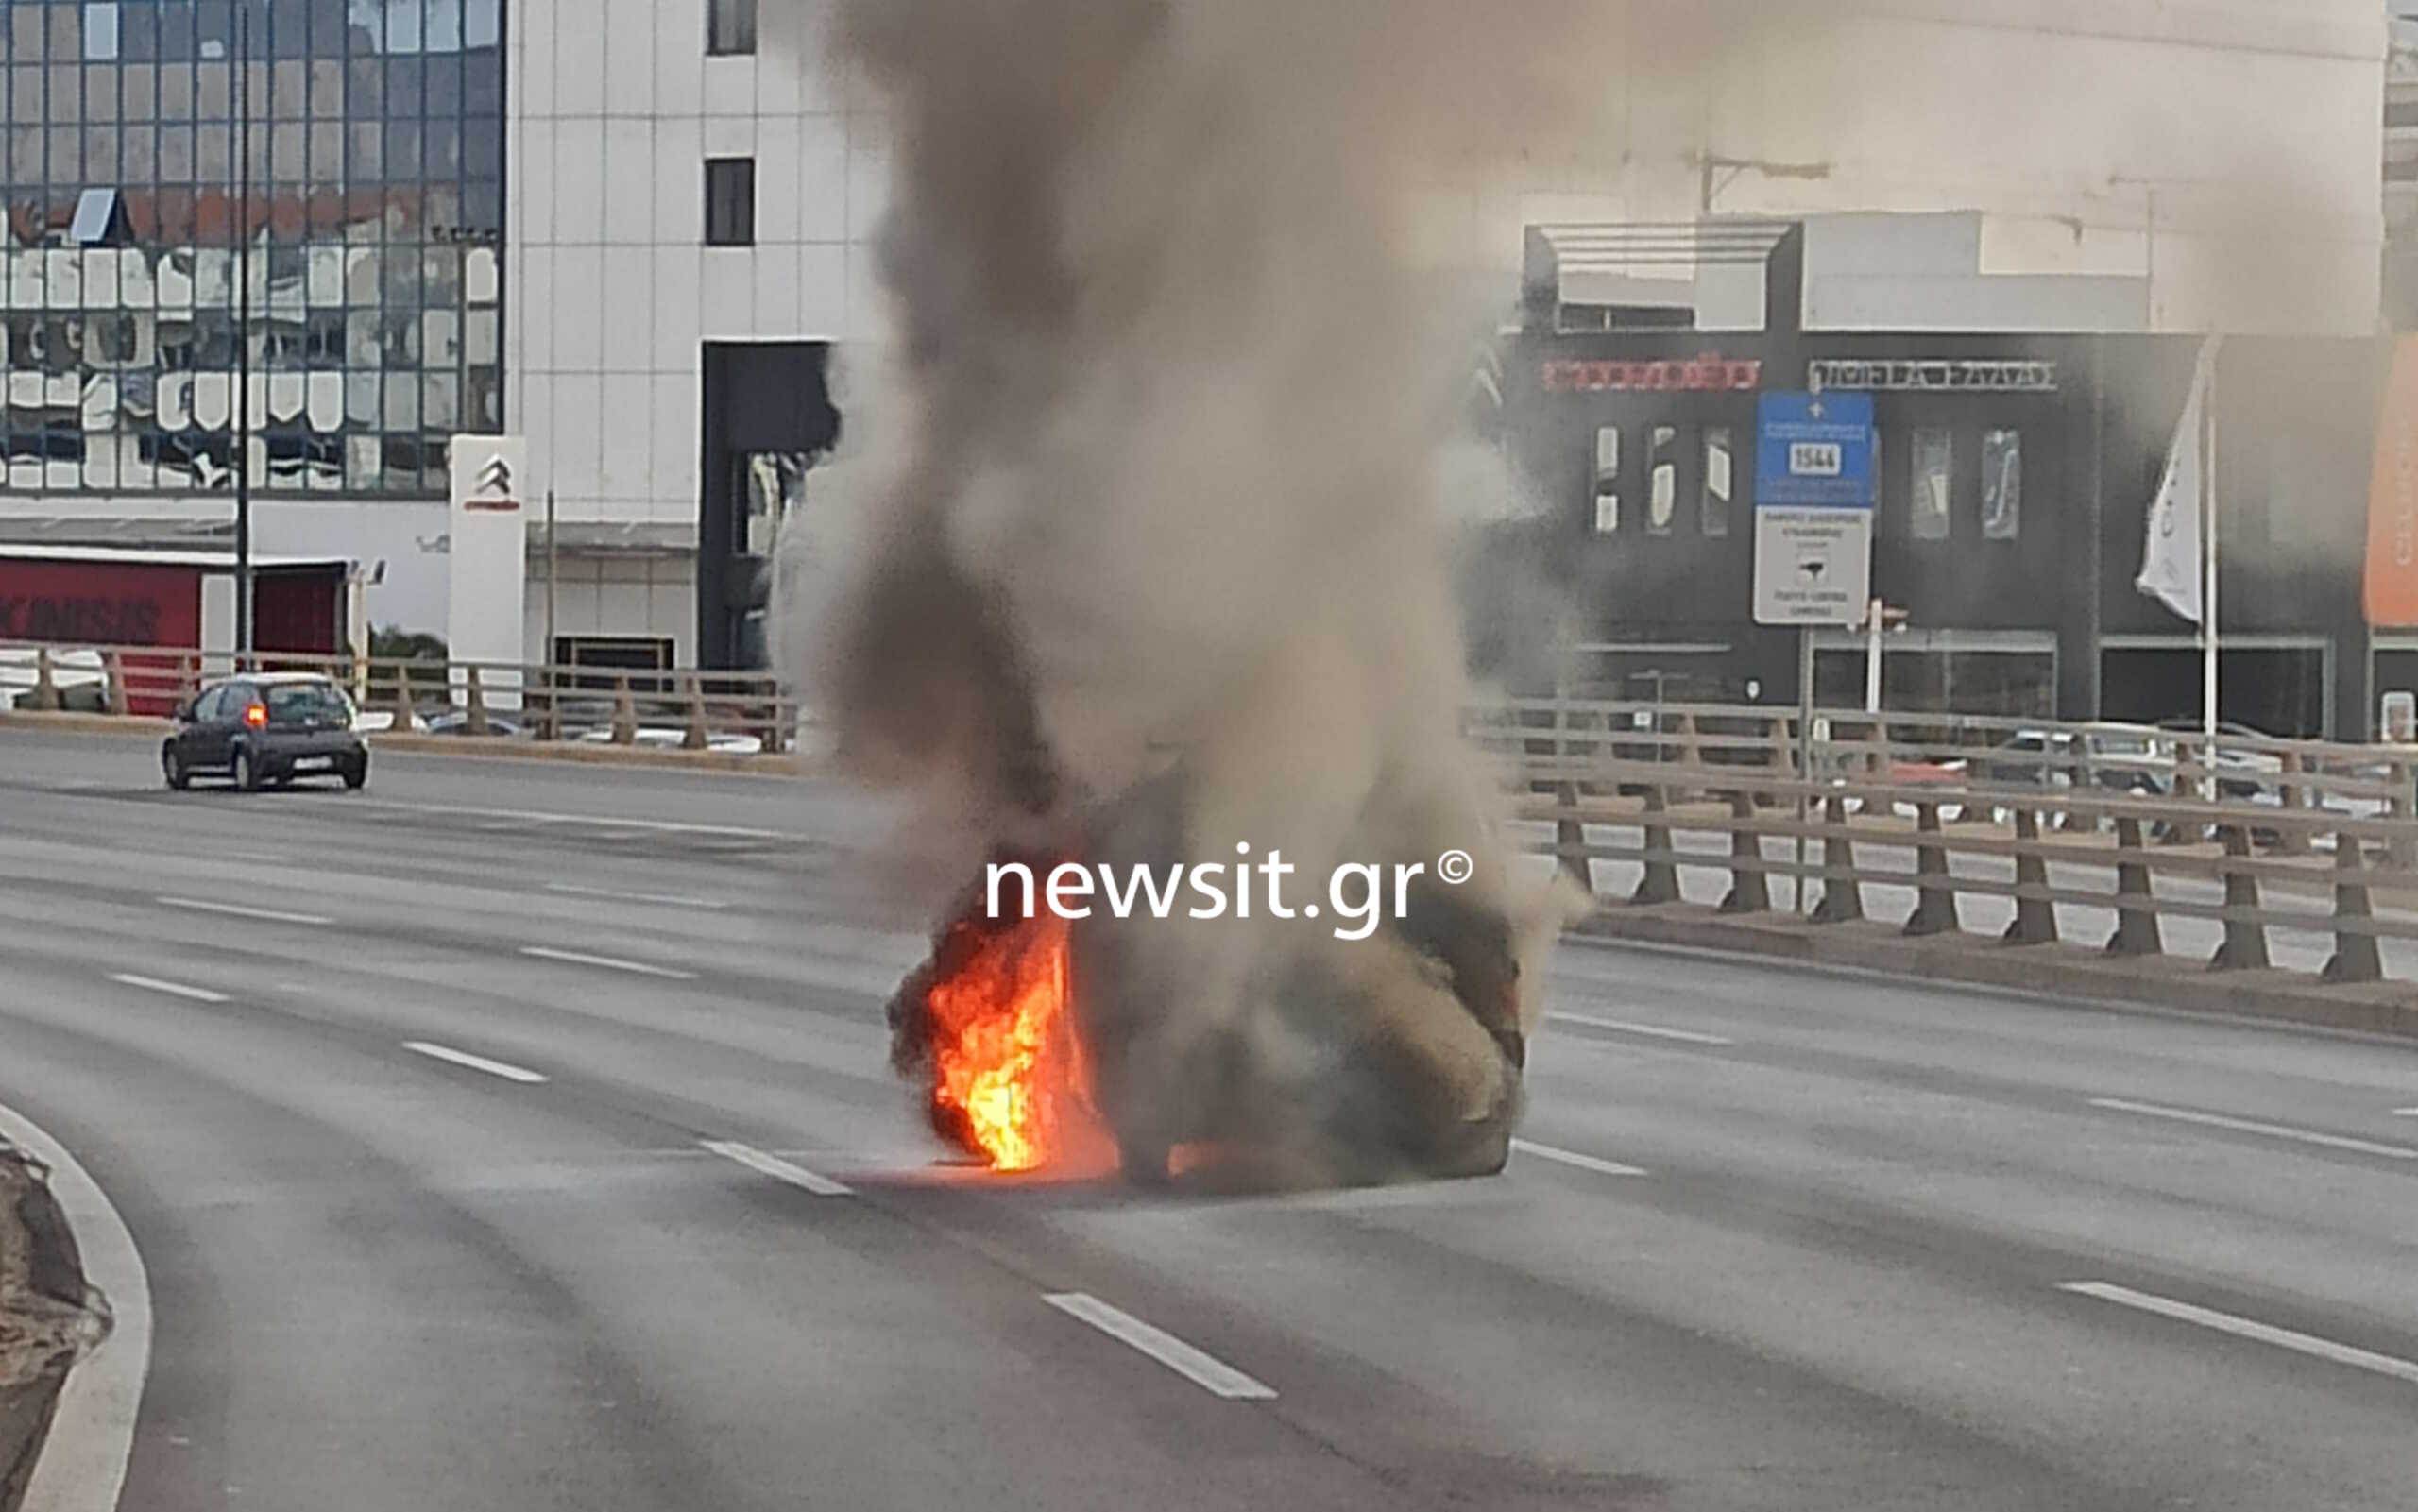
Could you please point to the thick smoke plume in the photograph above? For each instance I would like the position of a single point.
(1171, 392)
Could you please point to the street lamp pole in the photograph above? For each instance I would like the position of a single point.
(243, 332)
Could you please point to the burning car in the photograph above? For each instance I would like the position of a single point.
(1041, 1042)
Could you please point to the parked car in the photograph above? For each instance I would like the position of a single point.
(266, 728)
(673, 738)
(2242, 775)
(457, 722)
(2135, 759)
(76, 674)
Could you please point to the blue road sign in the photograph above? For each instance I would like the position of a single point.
(1815, 452)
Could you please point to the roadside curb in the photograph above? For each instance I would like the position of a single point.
(83, 1438)
(37, 1270)
(2166, 982)
(578, 753)
(126, 726)
(477, 748)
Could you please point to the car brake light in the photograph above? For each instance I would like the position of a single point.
(256, 716)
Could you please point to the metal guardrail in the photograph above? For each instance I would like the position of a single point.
(688, 707)
(1933, 751)
(1848, 830)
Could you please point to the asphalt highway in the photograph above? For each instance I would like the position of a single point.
(516, 1137)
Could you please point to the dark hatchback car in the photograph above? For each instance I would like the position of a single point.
(266, 728)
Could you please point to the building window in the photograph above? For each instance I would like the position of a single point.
(1933, 473)
(101, 31)
(1718, 476)
(730, 28)
(1608, 480)
(1662, 475)
(730, 201)
(2001, 484)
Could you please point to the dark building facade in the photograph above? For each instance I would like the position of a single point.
(2016, 474)
(768, 420)
(371, 196)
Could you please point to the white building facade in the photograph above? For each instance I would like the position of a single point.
(661, 367)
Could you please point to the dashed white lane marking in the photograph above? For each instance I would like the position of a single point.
(1651, 1031)
(775, 1167)
(82, 1466)
(2406, 1113)
(153, 984)
(2249, 1126)
(475, 1062)
(240, 911)
(1572, 1157)
(2247, 1328)
(581, 957)
(669, 900)
(1201, 1367)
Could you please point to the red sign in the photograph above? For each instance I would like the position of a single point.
(1709, 374)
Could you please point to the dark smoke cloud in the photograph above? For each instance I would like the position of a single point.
(1159, 470)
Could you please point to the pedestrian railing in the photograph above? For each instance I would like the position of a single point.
(1996, 761)
(688, 708)
(2139, 874)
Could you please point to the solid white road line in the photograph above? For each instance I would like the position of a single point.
(666, 899)
(579, 957)
(775, 1167)
(476, 1063)
(153, 984)
(1570, 1157)
(238, 911)
(82, 1469)
(1198, 1367)
(1652, 1031)
(659, 827)
(2247, 1328)
(2247, 1126)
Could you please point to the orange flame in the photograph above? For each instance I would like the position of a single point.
(1007, 1062)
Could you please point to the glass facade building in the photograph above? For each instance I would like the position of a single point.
(371, 198)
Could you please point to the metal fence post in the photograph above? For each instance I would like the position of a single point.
(2293, 796)
(114, 667)
(2402, 847)
(45, 686)
(1750, 887)
(1660, 883)
(1935, 895)
(2245, 943)
(1686, 753)
(2036, 917)
(2170, 833)
(695, 737)
(1570, 837)
(1842, 895)
(625, 711)
(2136, 923)
(2356, 957)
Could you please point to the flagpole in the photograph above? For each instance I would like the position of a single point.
(2208, 645)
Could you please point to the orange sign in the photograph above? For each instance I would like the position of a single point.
(2392, 589)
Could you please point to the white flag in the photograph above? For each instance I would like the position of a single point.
(2170, 562)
